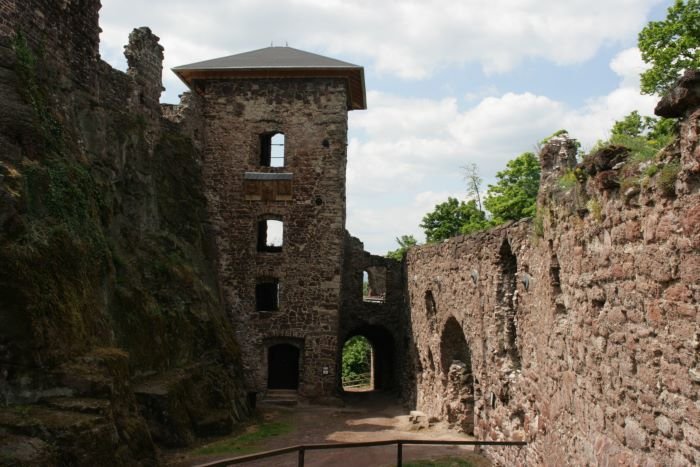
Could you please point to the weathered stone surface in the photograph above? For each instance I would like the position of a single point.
(593, 362)
(24, 451)
(107, 271)
(605, 159)
(683, 97)
(382, 320)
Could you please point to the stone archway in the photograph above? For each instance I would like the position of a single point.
(456, 367)
(384, 377)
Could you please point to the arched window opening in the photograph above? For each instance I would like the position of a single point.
(358, 365)
(267, 295)
(374, 284)
(272, 150)
(270, 235)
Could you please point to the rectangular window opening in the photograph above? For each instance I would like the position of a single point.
(267, 295)
(272, 150)
(374, 284)
(270, 235)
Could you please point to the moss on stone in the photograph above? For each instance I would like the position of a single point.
(667, 178)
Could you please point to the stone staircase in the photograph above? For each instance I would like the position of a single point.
(285, 397)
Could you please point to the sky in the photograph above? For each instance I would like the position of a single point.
(449, 82)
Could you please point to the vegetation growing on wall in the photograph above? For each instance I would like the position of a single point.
(670, 46)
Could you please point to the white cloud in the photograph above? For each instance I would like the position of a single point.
(418, 146)
(628, 64)
(405, 152)
(410, 39)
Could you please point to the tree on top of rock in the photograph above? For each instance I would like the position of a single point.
(670, 46)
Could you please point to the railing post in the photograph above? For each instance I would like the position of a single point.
(301, 457)
(399, 454)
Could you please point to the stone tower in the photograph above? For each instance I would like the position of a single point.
(274, 137)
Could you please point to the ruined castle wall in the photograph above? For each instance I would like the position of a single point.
(112, 332)
(381, 319)
(583, 325)
(312, 114)
(66, 30)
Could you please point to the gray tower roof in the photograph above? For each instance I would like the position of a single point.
(278, 62)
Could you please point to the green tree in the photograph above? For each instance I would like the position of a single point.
(452, 218)
(405, 242)
(515, 194)
(630, 125)
(670, 46)
(644, 136)
(356, 357)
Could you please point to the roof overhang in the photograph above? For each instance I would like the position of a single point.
(354, 77)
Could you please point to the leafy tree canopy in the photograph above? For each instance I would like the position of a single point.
(670, 46)
(452, 218)
(405, 242)
(515, 194)
(644, 136)
(356, 357)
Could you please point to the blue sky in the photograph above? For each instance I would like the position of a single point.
(449, 82)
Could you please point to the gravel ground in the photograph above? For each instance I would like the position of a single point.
(364, 417)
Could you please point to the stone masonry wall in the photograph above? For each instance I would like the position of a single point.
(112, 332)
(583, 325)
(312, 114)
(382, 323)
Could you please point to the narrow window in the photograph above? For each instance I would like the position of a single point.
(270, 235)
(267, 295)
(430, 307)
(272, 150)
(374, 284)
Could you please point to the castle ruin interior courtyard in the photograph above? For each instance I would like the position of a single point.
(211, 268)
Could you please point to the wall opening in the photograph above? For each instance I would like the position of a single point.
(456, 366)
(283, 367)
(270, 235)
(374, 284)
(430, 309)
(507, 296)
(382, 365)
(272, 149)
(358, 365)
(267, 295)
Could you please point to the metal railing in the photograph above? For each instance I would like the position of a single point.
(301, 450)
(362, 380)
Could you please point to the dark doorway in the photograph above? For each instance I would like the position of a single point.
(283, 367)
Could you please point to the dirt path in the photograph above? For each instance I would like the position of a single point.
(365, 417)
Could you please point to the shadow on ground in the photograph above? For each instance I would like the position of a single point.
(367, 416)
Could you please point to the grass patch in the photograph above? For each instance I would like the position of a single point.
(246, 442)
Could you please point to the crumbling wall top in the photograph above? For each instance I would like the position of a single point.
(144, 54)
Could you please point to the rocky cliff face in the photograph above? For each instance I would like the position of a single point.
(112, 331)
(578, 331)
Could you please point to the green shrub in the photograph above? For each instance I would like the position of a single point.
(596, 210)
(568, 180)
(667, 178)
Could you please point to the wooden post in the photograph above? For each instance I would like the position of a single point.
(301, 457)
(399, 454)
